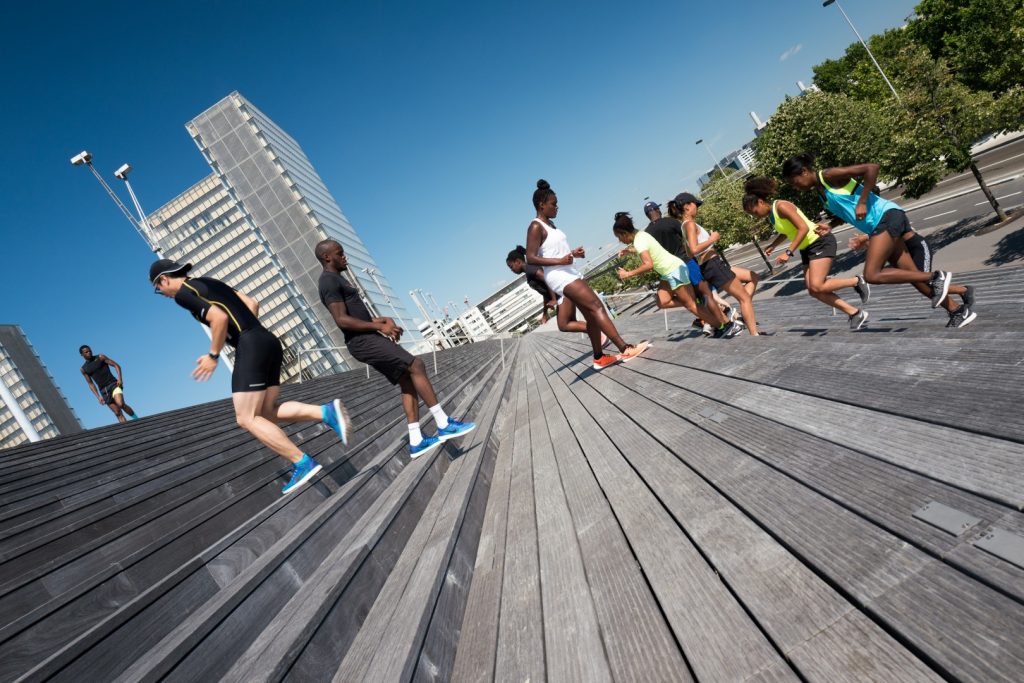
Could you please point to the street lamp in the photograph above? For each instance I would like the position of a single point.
(857, 33)
(122, 174)
(714, 159)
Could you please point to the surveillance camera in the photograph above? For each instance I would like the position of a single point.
(82, 157)
(122, 173)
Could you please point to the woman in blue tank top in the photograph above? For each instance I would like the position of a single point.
(847, 193)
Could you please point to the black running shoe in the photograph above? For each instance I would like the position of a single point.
(858, 319)
(863, 289)
(940, 287)
(961, 317)
(968, 296)
(732, 330)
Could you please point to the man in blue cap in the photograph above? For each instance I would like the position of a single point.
(231, 317)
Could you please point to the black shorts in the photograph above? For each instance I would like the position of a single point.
(382, 354)
(920, 252)
(894, 222)
(107, 393)
(257, 362)
(717, 272)
(823, 247)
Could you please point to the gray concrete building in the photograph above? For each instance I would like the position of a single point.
(32, 407)
(254, 223)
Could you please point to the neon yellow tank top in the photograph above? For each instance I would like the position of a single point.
(785, 227)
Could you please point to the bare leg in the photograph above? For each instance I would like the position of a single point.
(116, 410)
(119, 400)
(736, 288)
(567, 321)
(748, 277)
(248, 409)
(716, 318)
(289, 411)
(821, 287)
(903, 260)
(580, 293)
(881, 248)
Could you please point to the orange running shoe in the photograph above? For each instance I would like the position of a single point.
(606, 360)
(634, 350)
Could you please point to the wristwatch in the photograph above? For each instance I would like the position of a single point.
(789, 252)
(214, 356)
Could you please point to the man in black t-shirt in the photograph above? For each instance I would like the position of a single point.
(107, 390)
(232, 319)
(374, 341)
(667, 231)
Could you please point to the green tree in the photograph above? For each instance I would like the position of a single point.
(608, 282)
(838, 130)
(981, 40)
(723, 210)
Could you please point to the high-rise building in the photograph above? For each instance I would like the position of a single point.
(32, 407)
(254, 224)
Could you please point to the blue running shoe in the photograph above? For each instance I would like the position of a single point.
(133, 417)
(302, 471)
(336, 417)
(428, 444)
(455, 429)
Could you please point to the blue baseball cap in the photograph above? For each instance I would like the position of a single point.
(651, 206)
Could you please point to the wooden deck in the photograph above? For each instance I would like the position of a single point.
(817, 505)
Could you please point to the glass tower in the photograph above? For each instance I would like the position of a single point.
(32, 407)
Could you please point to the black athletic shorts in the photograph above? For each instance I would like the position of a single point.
(717, 272)
(107, 393)
(823, 247)
(894, 222)
(257, 361)
(382, 354)
(920, 252)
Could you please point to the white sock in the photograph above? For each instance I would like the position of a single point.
(439, 417)
(414, 434)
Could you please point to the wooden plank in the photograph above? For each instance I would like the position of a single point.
(520, 652)
(718, 638)
(638, 642)
(572, 636)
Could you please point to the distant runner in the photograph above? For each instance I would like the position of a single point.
(231, 317)
(109, 391)
(516, 262)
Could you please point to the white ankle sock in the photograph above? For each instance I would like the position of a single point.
(414, 434)
(439, 417)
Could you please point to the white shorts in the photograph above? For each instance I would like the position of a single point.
(559, 277)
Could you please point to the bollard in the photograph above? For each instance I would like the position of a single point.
(367, 372)
(665, 311)
(501, 341)
(300, 367)
(434, 351)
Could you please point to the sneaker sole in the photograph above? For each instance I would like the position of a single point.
(626, 360)
(444, 438)
(946, 281)
(602, 367)
(413, 456)
(967, 321)
(345, 422)
(302, 481)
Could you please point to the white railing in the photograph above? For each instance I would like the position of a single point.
(500, 336)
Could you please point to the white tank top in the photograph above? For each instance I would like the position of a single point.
(702, 236)
(555, 244)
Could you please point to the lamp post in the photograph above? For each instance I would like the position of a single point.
(872, 56)
(714, 159)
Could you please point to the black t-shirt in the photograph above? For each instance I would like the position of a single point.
(335, 288)
(99, 372)
(535, 280)
(198, 294)
(669, 233)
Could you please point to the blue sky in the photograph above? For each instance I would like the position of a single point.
(429, 122)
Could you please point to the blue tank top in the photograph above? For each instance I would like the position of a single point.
(842, 202)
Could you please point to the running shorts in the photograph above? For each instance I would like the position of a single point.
(558, 277)
(382, 354)
(823, 247)
(717, 273)
(108, 393)
(920, 252)
(258, 359)
(677, 278)
(693, 268)
(894, 222)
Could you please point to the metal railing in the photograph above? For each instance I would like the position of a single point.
(500, 336)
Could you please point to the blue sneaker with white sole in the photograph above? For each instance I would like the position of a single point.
(336, 417)
(455, 429)
(302, 471)
(428, 444)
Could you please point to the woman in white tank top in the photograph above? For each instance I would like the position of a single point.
(548, 246)
(712, 267)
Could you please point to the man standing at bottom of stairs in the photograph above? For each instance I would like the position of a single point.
(255, 382)
(374, 341)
